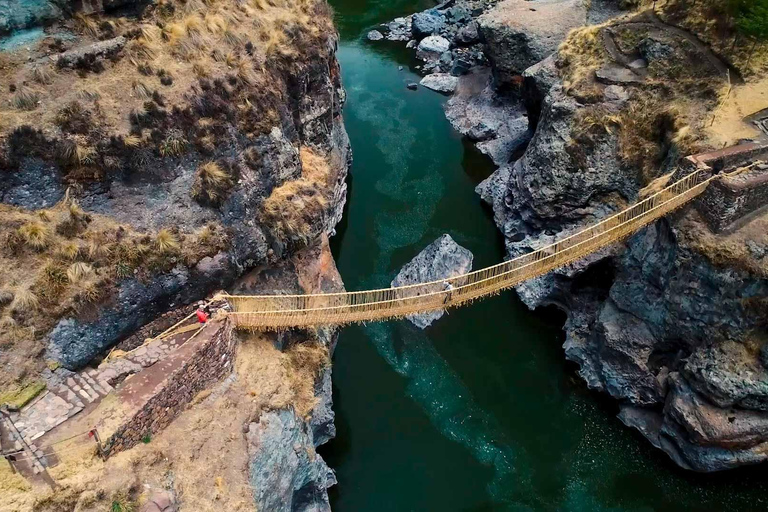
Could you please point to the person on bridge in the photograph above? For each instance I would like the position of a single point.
(448, 288)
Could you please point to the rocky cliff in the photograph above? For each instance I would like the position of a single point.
(166, 153)
(659, 323)
(152, 153)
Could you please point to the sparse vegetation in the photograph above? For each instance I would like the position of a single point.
(24, 99)
(20, 396)
(665, 114)
(735, 29)
(174, 144)
(212, 184)
(72, 258)
(73, 118)
(42, 74)
(295, 209)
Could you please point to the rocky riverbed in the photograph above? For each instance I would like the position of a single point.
(658, 323)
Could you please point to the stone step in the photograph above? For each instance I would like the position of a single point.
(86, 391)
(105, 385)
(94, 385)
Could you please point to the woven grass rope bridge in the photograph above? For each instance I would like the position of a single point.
(265, 312)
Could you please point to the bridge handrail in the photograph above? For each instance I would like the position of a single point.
(455, 291)
(633, 212)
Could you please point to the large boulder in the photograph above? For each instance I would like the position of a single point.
(440, 82)
(427, 23)
(441, 259)
(520, 33)
(432, 48)
(497, 123)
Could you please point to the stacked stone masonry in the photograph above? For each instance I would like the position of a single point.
(211, 361)
(733, 198)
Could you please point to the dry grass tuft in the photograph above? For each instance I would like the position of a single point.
(174, 144)
(25, 99)
(42, 74)
(86, 25)
(212, 184)
(141, 90)
(78, 271)
(24, 300)
(35, 234)
(166, 242)
(295, 209)
(74, 118)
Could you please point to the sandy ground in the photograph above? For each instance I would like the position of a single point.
(728, 125)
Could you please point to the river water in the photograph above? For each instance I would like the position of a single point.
(479, 412)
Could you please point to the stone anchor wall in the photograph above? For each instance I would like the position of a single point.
(728, 200)
(732, 198)
(211, 361)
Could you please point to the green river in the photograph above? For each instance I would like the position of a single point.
(481, 411)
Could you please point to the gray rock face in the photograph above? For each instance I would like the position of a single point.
(36, 185)
(158, 195)
(440, 82)
(441, 259)
(74, 342)
(497, 123)
(517, 35)
(286, 473)
(652, 323)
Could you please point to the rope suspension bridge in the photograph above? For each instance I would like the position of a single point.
(265, 312)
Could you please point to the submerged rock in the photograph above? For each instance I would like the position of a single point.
(441, 259)
(375, 35)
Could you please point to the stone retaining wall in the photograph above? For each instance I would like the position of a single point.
(155, 327)
(733, 198)
(210, 359)
(728, 200)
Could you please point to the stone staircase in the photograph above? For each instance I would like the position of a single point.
(60, 403)
(73, 392)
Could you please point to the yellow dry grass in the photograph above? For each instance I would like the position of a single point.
(292, 210)
(580, 55)
(193, 33)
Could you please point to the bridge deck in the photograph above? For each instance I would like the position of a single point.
(283, 311)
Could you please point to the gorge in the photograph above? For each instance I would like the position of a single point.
(480, 411)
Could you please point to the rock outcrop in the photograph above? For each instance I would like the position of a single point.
(655, 323)
(519, 33)
(285, 470)
(154, 183)
(441, 259)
